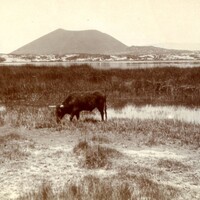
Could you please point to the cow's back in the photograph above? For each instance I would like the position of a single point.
(85, 100)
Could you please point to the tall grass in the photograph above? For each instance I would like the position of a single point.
(50, 85)
(29, 117)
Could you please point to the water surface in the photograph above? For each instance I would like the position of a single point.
(114, 64)
(157, 112)
(176, 113)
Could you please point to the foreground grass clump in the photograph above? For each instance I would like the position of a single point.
(44, 192)
(90, 188)
(94, 156)
(113, 188)
(145, 187)
(153, 190)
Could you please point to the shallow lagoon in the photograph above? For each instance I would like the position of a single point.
(112, 64)
(157, 112)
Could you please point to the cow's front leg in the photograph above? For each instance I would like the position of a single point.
(74, 112)
(71, 117)
(77, 115)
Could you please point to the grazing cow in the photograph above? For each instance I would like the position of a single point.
(77, 102)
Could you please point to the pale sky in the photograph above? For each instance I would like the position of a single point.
(133, 22)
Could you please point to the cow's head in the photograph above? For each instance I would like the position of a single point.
(59, 112)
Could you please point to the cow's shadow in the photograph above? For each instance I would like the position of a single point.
(91, 120)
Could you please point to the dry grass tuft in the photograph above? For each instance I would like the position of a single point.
(81, 146)
(172, 165)
(13, 147)
(6, 138)
(94, 156)
(97, 157)
(153, 190)
(100, 139)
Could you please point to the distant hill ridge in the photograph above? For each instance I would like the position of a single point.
(63, 41)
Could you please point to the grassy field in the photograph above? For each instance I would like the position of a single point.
(117, 159)
(89, 159)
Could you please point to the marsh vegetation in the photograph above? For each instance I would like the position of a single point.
(41, 86)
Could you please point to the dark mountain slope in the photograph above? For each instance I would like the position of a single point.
(63, 42)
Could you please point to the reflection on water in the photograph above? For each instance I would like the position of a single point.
(157, 112)
(114, 64)
(144, 64)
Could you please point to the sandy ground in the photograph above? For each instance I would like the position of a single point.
(48, 155)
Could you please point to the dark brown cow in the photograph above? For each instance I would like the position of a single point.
(77, 102)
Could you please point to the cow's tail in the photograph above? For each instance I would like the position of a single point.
(105, 109)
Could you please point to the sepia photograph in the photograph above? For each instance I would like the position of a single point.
(100, 100)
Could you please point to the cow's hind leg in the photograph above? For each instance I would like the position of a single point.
(102, 113)
(102, 116)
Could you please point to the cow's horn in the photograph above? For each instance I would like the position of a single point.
(52, 106)
(61, 106)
